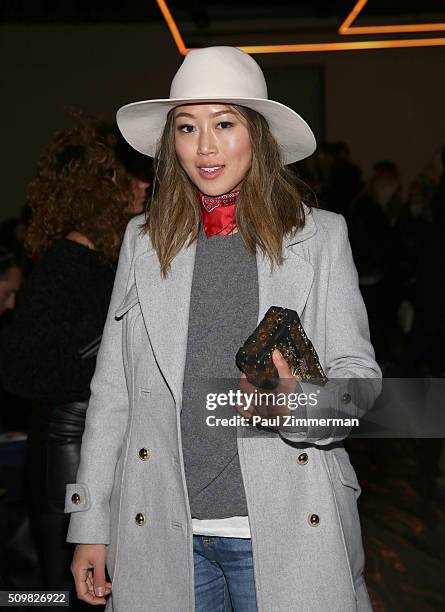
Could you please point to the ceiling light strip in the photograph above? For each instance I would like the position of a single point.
(346, 28)
(352, 46)
(396, 29)
(315, 47)
(357, 8)
(174, 30)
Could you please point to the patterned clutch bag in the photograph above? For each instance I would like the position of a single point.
(280, 329)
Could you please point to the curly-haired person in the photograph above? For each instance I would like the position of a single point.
(81, 198)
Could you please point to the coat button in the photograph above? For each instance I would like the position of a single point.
(140, 518)
(302, 458)
(314, 520)
(144, 454)
(75, 498)
(345, 398)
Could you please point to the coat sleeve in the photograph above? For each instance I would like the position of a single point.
(354, 377)
(106, 420)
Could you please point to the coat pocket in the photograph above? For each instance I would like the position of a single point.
(131, 299)
(346, 492)
(347, 473)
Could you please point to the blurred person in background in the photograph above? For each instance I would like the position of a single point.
(13, 412)
(11, 274)
(415, 228)
(340, 180)
(438, 200)
(81, 200)
(12, 236)
(386, 189)
(371, 223)
(346, 179)
(423, 354)
(321, 164)
(13, 231)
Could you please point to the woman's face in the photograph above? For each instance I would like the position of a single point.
(213, 146)
(139, 188)
(9, 285)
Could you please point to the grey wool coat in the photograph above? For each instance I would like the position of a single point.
(131, 491)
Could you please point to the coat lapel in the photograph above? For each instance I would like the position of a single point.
(287, 285)
(165, 303)
(165, 307)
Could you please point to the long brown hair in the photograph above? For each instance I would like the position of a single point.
(80, 184)
(268, 206)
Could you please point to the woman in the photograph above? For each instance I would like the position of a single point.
(11, 274)
(14, 413)
(186, 518)
(81, 198)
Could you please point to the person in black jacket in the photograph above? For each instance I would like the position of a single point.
(81, 198)
(14, 412)
(375, 249)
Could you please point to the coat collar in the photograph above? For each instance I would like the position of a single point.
(165, 303)
(309, 229)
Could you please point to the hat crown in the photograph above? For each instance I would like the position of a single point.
(218, 72)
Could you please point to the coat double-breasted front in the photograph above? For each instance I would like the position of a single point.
(301, 488)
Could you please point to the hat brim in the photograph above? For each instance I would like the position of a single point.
(142, 123)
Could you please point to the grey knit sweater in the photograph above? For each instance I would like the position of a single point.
(223, 312)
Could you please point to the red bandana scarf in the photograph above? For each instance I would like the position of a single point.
(218, 213)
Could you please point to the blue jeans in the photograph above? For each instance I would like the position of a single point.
(224, 580)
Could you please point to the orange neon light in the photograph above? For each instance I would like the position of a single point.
(357, 8)
(174, 30)
(346, 28)
(344, 46)
(326, 46)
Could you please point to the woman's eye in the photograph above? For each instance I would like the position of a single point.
(187, 129)
(225, 124)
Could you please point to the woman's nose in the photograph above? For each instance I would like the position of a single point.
(206, 143)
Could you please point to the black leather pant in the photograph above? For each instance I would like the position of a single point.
(54, 441)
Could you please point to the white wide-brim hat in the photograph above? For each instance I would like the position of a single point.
(217, 74)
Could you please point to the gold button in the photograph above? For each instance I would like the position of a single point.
(314, 520)
(144, 454)
(345, 398)
(302, 459)
(75, 498)
(140, 518)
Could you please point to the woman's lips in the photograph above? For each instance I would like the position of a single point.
(210, 173)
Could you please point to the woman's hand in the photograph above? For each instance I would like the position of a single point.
(269, 409)
(88, 569)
